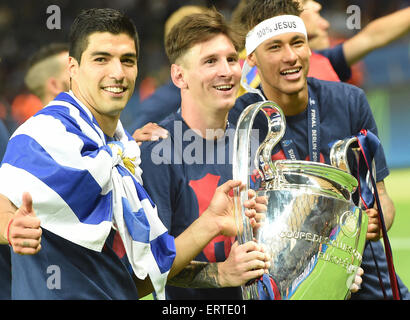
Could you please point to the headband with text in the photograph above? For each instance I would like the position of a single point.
(271, 28)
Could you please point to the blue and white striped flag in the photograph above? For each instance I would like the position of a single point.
(82, 186)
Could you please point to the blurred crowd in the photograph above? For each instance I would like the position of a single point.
(23, 30)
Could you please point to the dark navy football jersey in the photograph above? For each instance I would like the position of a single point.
(181, 174)
(5, 272)
(65, 270)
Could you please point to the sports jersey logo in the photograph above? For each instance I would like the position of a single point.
(204, 189)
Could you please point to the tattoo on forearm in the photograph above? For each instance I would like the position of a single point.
(197, 275)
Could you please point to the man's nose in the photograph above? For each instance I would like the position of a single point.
(289, 55)
(116, 70)
(316, 6)
(225, 68)
(324, 24)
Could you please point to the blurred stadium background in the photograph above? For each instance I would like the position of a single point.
(383, 74)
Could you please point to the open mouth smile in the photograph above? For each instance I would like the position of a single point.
(224, 87)
(290, 71)
(115, 90)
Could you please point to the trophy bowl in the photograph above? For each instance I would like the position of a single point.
(312, 231)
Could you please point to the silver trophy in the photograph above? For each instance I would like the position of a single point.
(313, 231)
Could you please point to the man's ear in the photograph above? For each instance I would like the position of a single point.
(52, 86)
(251, 59)
(72, 66)
(178, 76)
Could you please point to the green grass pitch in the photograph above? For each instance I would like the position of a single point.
(397, 185)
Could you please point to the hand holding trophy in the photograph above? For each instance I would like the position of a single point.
(313, 231)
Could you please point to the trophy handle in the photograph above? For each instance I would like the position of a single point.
(339, 151)
(339, 158)
(242, 155)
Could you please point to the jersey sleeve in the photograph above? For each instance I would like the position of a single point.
(338, 61)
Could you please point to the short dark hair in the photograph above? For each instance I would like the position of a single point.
(196, 28)
(99, 20)
(254, 12)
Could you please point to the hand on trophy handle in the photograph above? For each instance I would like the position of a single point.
(257, 215)
(374, 231)
(245, 262)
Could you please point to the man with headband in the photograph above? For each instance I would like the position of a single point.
(277, 46)
(332, 63)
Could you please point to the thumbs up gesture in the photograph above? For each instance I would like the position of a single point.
(24, 232)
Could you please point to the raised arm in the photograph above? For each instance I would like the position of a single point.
(378, 33)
